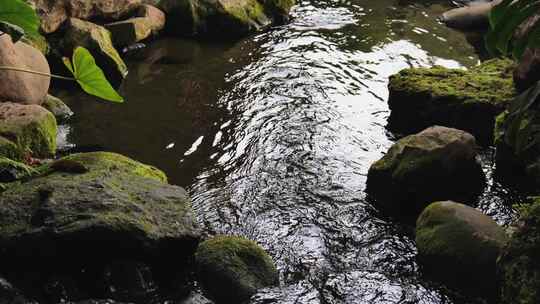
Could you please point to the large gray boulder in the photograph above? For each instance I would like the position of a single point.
(438, 163)
(459, 245)
(101, 206)
(22, 87)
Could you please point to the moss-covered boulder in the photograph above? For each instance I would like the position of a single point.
(467, 100)
(89, 208)
(26, 130)
(223, 17)
(459, 245)
(98, 40)
(518, 266)
(231, 269)
(438, 163)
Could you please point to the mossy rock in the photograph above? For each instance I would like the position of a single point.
(96, 206)
(58, 108)
(438, 163)
(231, 269)
(11, 170)
(517, 267)
(459, 245)
(467, 100)
(26, 130)
(223, 18)
(98, 41)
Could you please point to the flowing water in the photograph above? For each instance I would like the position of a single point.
(273, 136)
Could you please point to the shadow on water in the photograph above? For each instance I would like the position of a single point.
(273, 136)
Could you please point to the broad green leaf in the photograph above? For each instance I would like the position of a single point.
(18, 13)
(507, 29)
(90, 77)
(16, 32)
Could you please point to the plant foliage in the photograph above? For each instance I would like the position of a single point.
(89, 76)
(505, 20)
(20, 14)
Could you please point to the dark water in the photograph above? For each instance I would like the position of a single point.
(273, 137)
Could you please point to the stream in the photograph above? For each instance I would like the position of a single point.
(273, 136)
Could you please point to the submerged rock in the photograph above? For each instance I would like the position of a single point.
(438, 163)
(58, 108)
(98, 41)
(231, 269)
(117, 208)
(467, 100)
(459, 245)
(26, 130)
(149, 21)
(518, 268)
(223, 17)
(17, 86)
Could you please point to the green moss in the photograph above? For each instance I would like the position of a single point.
(10, 150)
(245, 11)
(36, 136)
(103, 162)
(11, 170)
(232, 268)
(459, 245)
(101, 196)
(518, 268)
(39, 42)
(490, 82)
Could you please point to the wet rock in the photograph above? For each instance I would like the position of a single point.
(117, 209)
(26, 130)
(17, 86)
(97, 40)
(58, 108)
(459, 245)
(54, 13)
(129, 281)
(231, 269)
(223, 17)
(148, 21)
(11, 170)
(11, 295)
(474, 16)
(467, 100)
(517, 267)
(438, 163)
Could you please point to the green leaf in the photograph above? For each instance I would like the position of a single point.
(18, 13)
(90, 77)
(16, 32)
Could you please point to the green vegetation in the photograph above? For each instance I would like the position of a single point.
(18, 19)
(506, 19)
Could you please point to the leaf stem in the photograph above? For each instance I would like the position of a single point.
(10, 68)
